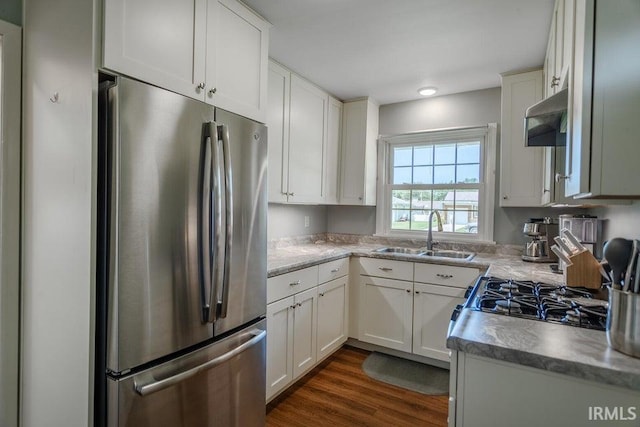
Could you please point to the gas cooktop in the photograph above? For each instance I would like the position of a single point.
(538, 301)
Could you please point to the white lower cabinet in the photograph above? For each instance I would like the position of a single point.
(332, 316)
(305, 321)
(304, 331)
(386, 307)
(405, 314)
(279, 345)
(432, 308)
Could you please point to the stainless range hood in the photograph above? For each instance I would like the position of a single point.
(545, 123)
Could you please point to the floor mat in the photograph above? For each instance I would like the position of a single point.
(407, 374)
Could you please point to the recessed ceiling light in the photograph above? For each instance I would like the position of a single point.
(427, 91)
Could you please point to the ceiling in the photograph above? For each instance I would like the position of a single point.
(388, 49)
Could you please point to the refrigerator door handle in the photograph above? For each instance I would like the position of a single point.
(205, 218)
(228, 200)
(145, 389)
(219, 221)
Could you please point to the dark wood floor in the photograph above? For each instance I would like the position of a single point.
(339, 393)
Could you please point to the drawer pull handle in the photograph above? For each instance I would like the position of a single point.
(444, 276)
(296, 283)
(335, 270)
(385, 268)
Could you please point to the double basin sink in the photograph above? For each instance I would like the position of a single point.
(442, 253)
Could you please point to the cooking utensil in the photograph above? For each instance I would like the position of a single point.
(573, 239)
(556, 250)
(623, 328)
(617, 252)
(630, 267)
(636, 279)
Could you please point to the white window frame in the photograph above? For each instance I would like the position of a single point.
(486, 197)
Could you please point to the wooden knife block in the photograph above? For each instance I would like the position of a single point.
(583, 272)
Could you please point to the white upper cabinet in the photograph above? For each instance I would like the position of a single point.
(278, 124)
(560, 48)
(211, 50)
(237, 60)
(521, 167)
(166, 48)
(604, 102)
(307, 134)
(332, 152)
(359, 153)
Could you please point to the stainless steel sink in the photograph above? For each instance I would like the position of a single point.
(466, 256)
(408, 251)
(442, 253)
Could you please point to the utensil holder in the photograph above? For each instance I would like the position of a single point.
(584, 271)
(623, 322)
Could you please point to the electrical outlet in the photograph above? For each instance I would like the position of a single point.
(306, 222)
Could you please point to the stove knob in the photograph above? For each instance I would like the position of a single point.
(468, 292)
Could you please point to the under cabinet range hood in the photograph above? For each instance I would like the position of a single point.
(545, 123)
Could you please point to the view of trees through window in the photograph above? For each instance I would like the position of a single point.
(443, 177)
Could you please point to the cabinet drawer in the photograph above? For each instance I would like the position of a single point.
(386, 268)
(447, 275)
(333, 269)
(282, 286)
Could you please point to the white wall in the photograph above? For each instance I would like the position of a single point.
(288, 220)
(58, 215)
(623, 221)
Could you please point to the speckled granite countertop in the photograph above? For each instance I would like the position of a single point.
(577, 352)
(572, 351)
(284, 259)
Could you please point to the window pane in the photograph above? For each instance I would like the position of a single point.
(423, 175)
(444, 174)
(400, 219)
(419, 220)
(400, 199)
(445, 154)
(402, 175)
(469, 152)
(468, 173)
(421, 199)
(402, 156)
(447, 220)
(466, 221)
(467, 198)
(423, 155)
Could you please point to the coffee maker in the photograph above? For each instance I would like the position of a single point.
(539, 231)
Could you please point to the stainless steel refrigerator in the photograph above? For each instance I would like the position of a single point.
(181, 261)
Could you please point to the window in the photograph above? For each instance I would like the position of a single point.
(448, 171)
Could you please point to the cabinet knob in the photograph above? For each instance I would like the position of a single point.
(299, 304)
(560, 177)
(408, 291)
(293, 307)
(321, 294)
(555, 81)
(290, 194)
(212, 91)
(417, 292)
(359, 198)
(546, 191)
(200, 87)
(505, 197)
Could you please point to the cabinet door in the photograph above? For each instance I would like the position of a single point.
(386, 308)
(332, 316)
(237, 60)
(279, 345)
(332, 152)
(278, 124)
(306, 141)
(432, 308)
(162, 42)
(359, 154)
(520, 166)
(304, 331)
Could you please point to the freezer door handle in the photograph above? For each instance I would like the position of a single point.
(146, 388)
(228, 202)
